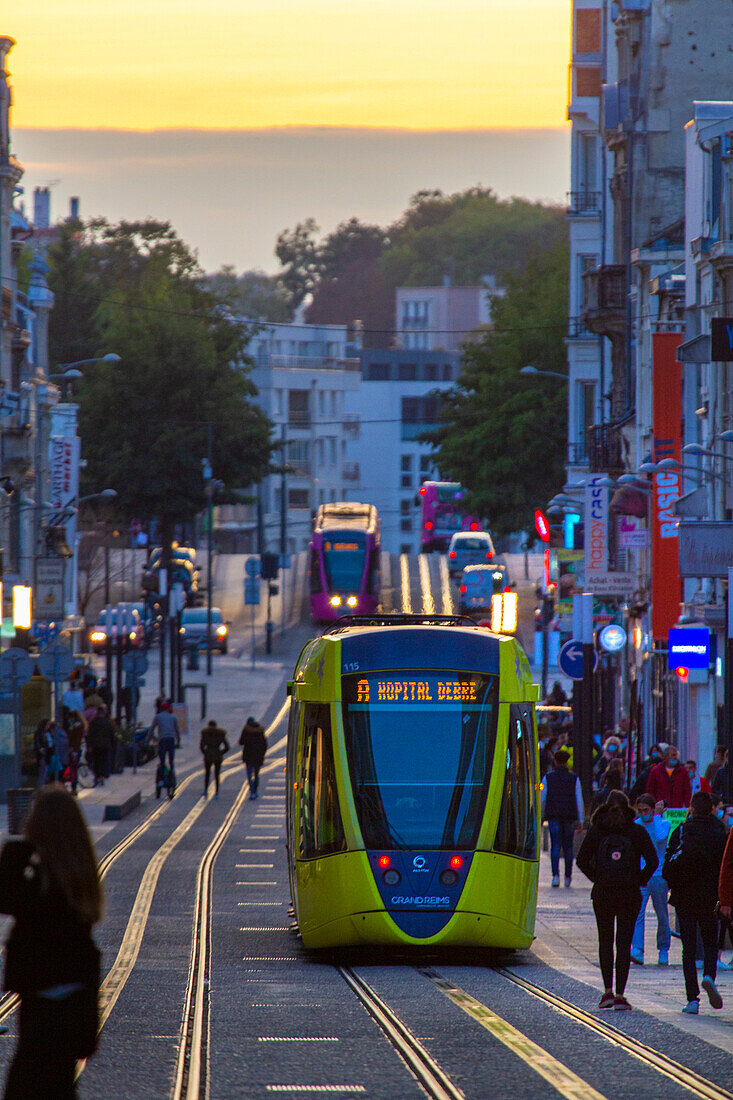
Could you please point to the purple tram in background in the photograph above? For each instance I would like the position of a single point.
(345, 561)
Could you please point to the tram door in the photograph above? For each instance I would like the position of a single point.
(292, 771)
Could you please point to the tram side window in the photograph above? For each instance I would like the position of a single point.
(374, 571)
(316, 585)
(516, 832)
(321, 828)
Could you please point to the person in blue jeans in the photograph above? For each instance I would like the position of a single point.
(649, 814)
(561, 803)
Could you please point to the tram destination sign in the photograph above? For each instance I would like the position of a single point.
(376, 690)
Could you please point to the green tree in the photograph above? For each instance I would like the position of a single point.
(252, 295)
(145, 422)
(503, 434)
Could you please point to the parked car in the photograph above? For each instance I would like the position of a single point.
(193, 628)
(478, 584)
(469, 548)
(123, 617)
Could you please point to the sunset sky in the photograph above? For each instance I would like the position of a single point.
(419, 64)
(267, 112)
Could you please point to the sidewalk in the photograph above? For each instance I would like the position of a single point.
(566, 940)
(234, 691)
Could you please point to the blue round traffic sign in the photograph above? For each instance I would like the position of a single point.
(570, 659)
(252, 567)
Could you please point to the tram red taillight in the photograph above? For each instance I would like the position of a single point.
(489, 555)
(451, 553)
(429, 525)
(474, 526)
(423, 490)
(456, 862)
(384, 861)
(463, 589)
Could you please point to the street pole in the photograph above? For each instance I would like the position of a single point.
(209, 547)
(728, 740)
(547, 610)
(283, 527)
(583, 743)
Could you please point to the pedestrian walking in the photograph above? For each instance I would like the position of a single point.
(715, 764)
(618, 857)
(719, 785)
(697, 782)
(43, 747)
(254, 746)
(611, 752)
(669, 782)
(613, 780)
(100, 738)
(561, 804)
(650, 815)
(639, 786)
(50, 885)
(213, 745)
(691, 868)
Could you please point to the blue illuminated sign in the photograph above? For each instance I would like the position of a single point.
(689, 647)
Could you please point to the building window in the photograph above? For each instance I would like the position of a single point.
(431, 372)
(405, 548)
(407, 372)
(426, 464)
(406, 463)
(406, 526)
(406, 507)
(586, 397)
(298, 408)
(406, 481)
(588, 30)
(321, 402)
(588, 81)
(332, 450)
(588, 157)
(378, 372)
(298, 498)
(447, 373)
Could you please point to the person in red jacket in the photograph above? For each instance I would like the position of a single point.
(669, 782)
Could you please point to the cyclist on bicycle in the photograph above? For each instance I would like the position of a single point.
(169, 735)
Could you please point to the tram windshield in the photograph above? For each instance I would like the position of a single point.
(343, 557)
(420, 746)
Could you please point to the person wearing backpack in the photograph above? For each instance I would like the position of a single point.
(691, 868)
(618, 856)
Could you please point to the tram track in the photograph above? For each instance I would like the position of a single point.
(191, 1077)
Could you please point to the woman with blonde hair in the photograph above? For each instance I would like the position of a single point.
(50, 884)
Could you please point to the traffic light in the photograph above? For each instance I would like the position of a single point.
(269, 566)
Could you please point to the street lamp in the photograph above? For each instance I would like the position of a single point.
(543, 373)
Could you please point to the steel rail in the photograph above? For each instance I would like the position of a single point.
(9, 1002)
(662, 1063)
(191, 1078)
(420, 1063)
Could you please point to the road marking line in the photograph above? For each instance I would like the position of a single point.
(561, 1078)
(239, 866)
(297, 1039)
(405, 584)
(445, 587)
(314, 1088)
(260, 903)
(428, 604)
(270, 958)
(263, 850)
(256, 884)
(266, 928)
(268, 837)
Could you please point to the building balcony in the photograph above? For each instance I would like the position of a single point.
(605, 446)
(604, 311)
(583, 204)
(721, 256)
(578, 331)
(297, 419)
(306, 362)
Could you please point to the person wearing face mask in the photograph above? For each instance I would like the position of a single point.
(639, 787)
(669, 782)
(650, 817)
(611, 751)
(697, 782)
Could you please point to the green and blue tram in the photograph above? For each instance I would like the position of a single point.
(413, 776)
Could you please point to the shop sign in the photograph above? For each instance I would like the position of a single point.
(705, 549)
(596, 530)
(689, 647)
(667, 428)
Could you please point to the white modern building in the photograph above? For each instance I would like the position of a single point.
(395, 403)
(443, 317)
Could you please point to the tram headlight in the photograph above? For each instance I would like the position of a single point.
(352, 601)
(448, 877)
(391, 877)
(335, 601)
